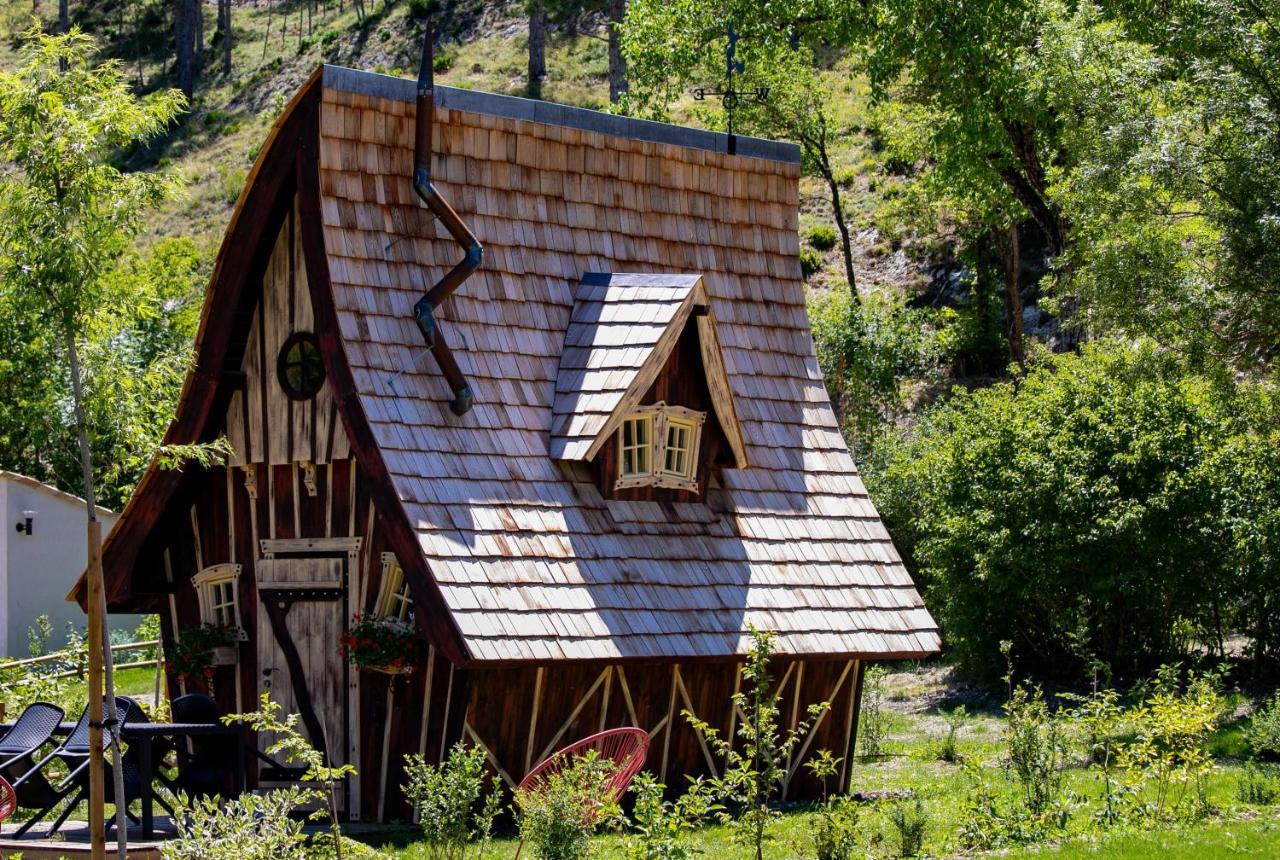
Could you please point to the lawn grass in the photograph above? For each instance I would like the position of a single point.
(916, 702)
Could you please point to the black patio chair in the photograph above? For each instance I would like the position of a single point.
(33, 729)
(30, 732)
(74, 754)
(205, 770)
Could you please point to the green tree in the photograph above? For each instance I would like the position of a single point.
(1094, 510)
(672, 47)
(68, 217)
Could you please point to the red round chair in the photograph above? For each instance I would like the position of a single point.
(8, 799)
(625, 748)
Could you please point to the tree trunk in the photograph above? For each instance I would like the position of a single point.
(98, 641)
(224, 25)
(537, 48)
(837, 208)
(617, 64)
(197, 15)
(184, 37)
(64, 16)
(1011, 264)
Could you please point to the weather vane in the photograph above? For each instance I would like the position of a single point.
(730, 96)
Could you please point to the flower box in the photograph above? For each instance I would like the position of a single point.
(383, 645)
(387, 669)
(226, 655)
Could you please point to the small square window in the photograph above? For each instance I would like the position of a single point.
(394, 600)
(637, 440)
(678, 461)
(216, 591)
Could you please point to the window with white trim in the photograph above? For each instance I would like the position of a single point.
(394, 600)
(635, 438)
(658, 447)
(216, 590)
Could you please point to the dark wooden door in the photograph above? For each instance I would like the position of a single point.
(300, 625)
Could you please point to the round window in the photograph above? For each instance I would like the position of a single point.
(299, 368)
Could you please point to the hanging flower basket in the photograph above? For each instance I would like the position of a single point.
(199, 649)
(383, 645)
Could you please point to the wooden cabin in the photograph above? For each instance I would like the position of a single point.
(651, 466)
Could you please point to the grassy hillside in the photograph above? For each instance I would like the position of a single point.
(277, 45)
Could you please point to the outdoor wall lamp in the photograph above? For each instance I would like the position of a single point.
(25, 527)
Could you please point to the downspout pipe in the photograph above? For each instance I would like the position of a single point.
(473, 252)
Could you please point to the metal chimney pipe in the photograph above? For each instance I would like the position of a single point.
(473, 252)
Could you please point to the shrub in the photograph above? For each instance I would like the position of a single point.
(1106, 496)
(1169, 754)
(948, 746)
(447, 799)
(559, 816)
(871, 728)
(810, 262)
(661, 829)
(1037, 746)
(821, 236)
(1263, 735)
(835, 829)
(910, 821)
(755, 767)
(249, 827)
(1258, 784)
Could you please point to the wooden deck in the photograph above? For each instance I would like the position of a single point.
(72, 841)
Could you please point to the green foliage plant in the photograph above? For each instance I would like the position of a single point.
(192, 655)
(448, 801)
(1168, 757)
(910, 822)
(663, 829)
(558, 817)
(1258, 784)
(872, 723)
(1038, 748)
(374, 641)
(810, 263)
(38, 636)
(1099, 722)
(756, 766)
(835, 822)
(248, 827)
(1262, 737)
(948, 749)
(290, 743)
(822, 237)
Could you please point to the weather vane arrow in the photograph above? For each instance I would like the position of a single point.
(731, 96)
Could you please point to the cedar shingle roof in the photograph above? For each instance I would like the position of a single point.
(531, 560)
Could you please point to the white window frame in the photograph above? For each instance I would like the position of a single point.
(661, 417)
(212, 586)
(394, 599)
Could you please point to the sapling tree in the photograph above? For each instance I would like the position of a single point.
(68, 214)
(290, 743)
(758, 765)
(447, 800)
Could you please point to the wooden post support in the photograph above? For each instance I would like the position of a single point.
(97, 829)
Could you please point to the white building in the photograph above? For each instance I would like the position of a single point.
(42, 553)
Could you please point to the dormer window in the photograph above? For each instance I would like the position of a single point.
(658, 447)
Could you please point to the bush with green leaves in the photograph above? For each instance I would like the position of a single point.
(1168, 757)
(821, 237)
(872, 728)
(1038, 748)
(948, 748)
(869, 351)
(756, 765)
(910, 821)
(449, 800)
(1124, 503)
(663, 829)
(248, 827)
(558, 816)
(1258, 784)
(1262, 737)
(810, 262)
(834, 829)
